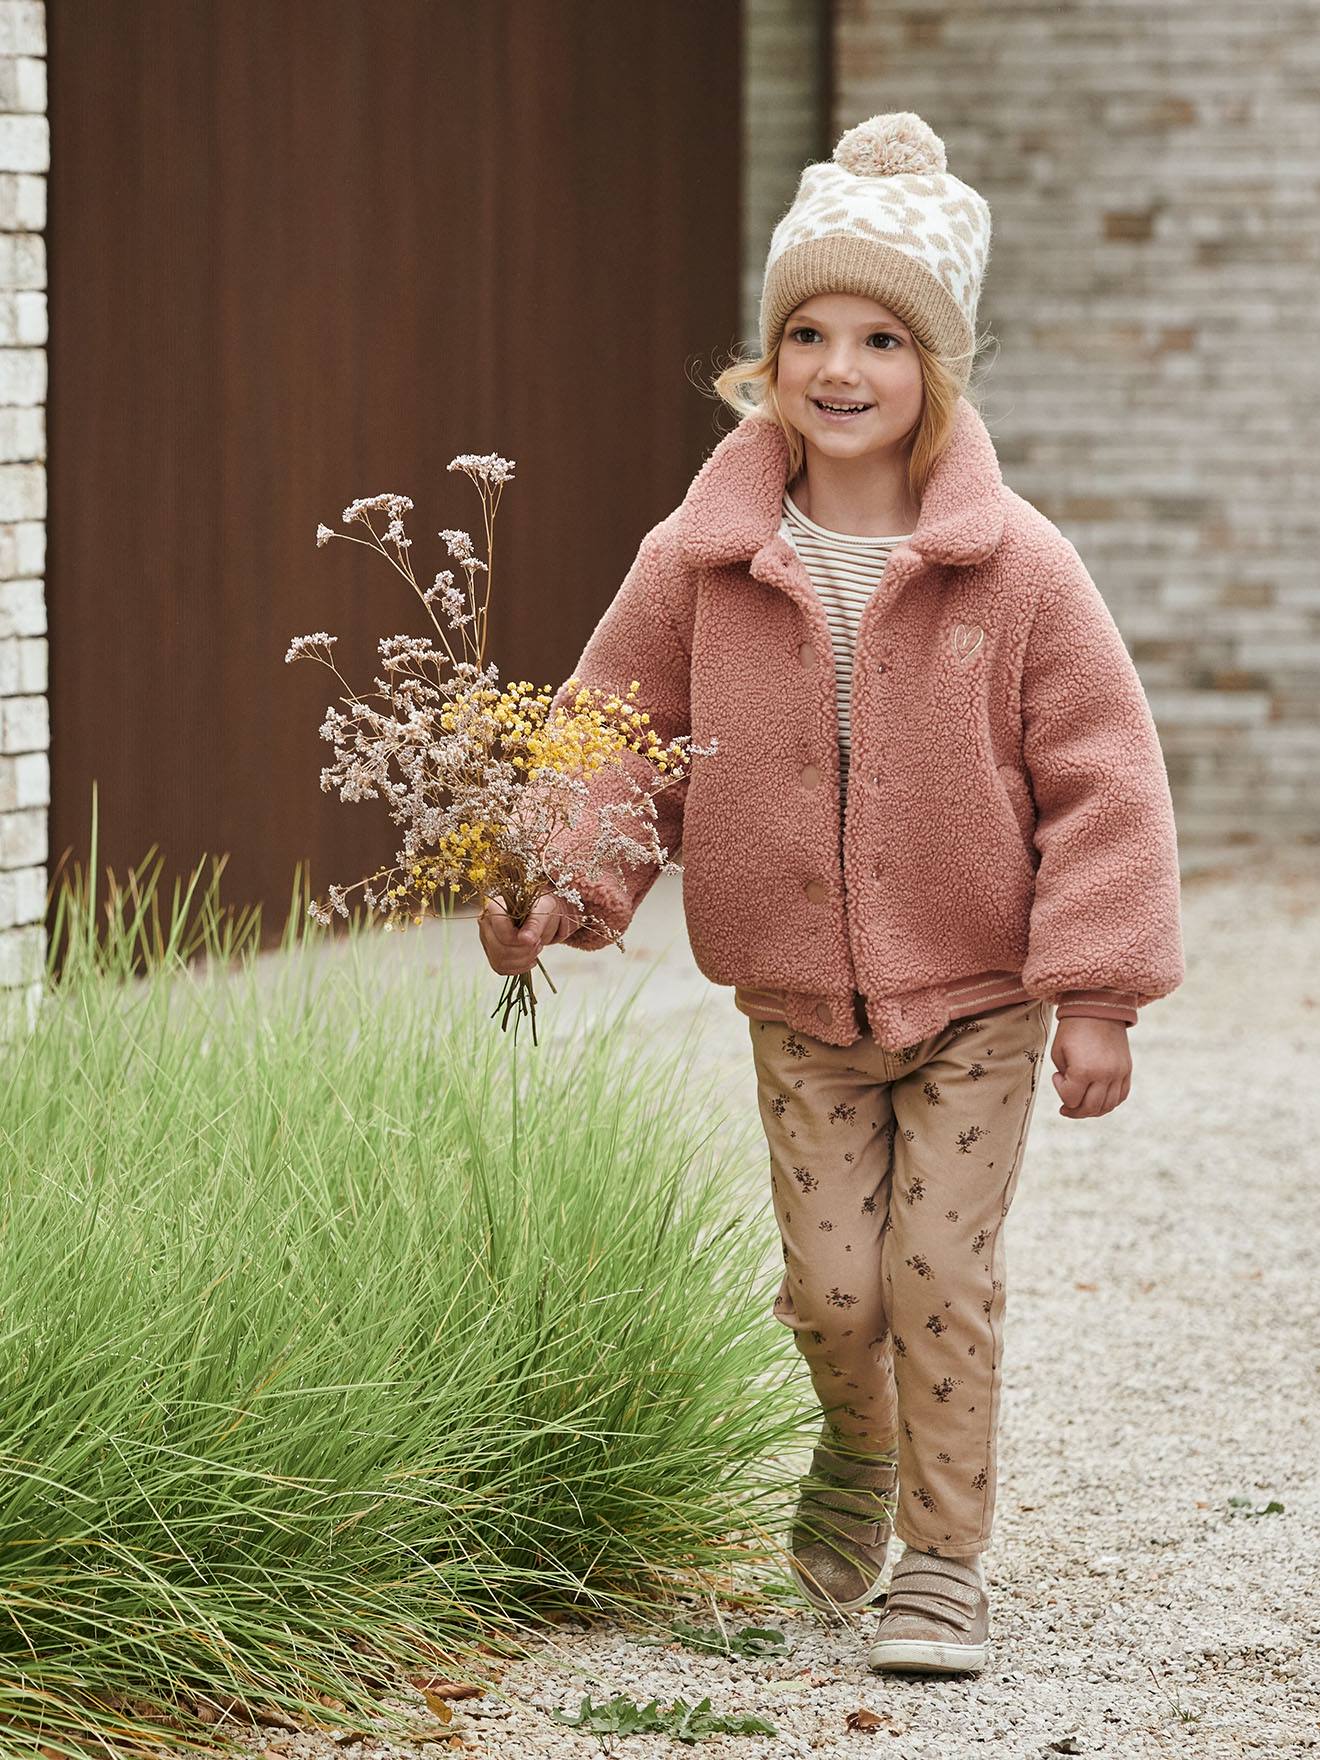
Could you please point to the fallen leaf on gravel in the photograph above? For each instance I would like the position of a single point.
(271, 1718)
(443, 1689)
(865, 1719)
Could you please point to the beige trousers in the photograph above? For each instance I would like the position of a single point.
(891, 1174)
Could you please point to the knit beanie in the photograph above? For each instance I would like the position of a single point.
(884, 218)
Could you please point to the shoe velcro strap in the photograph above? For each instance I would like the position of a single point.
(935, 1607)
(951, 1570)
(849, 1498)
(934, 1583)
(830, 1524)
(855, 1472)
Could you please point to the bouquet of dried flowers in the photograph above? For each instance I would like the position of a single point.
(482, 780)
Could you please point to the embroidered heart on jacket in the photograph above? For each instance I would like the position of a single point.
(967, 638)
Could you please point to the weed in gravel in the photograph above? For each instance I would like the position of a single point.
(749, 1641)
(1183, 1713)
(1250, 1506)
(684, 1722)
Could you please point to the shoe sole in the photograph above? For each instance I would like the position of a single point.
(813, 1595)
(926, 1656)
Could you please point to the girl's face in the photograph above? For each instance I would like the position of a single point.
(844, 348)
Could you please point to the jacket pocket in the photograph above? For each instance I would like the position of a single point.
(1022, 807)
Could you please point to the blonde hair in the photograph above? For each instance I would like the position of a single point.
(748, 386)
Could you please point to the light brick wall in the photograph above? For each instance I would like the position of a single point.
(24, 717)
(785, 71)
(1152, 168)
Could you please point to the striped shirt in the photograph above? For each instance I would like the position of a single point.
(845, 570)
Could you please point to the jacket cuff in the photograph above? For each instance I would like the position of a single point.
(1102, 1005)
(608, 905)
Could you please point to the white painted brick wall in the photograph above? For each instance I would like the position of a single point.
(24, 712)
(1151, 170)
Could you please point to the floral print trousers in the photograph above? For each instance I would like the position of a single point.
(891, 1174)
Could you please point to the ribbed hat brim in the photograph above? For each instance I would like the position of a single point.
(844, 263)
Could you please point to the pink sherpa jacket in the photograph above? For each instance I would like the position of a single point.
(1008, 810)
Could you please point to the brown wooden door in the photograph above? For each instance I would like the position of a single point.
(306, 252)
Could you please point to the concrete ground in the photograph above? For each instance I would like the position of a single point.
(1162, 1360)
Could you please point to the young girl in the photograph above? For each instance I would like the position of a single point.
(937, 818)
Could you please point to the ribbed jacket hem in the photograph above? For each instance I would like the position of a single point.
(963, 998)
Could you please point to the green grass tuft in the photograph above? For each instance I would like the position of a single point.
(339, 1332)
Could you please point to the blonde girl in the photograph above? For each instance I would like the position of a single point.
(936, 824)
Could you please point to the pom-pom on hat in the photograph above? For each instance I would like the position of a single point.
(883, 217)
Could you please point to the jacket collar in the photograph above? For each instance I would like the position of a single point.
(733, 508)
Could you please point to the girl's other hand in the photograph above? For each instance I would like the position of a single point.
(511, 950)
(1093, 1066)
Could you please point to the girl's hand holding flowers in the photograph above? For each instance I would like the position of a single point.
(510, 949)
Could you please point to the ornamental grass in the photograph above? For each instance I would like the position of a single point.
(338, 1340)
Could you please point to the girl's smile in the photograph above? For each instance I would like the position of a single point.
(837, 411)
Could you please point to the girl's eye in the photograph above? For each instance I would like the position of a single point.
(810, 330)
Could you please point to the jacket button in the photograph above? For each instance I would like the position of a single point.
(817, 891)
(810, 776)
(807, 655)
(823, 1011)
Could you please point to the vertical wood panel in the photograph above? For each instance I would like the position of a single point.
(305, 252)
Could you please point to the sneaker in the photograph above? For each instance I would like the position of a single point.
(936, 1618)
(844, 1521)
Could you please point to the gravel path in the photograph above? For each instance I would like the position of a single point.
(1162, 1358)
